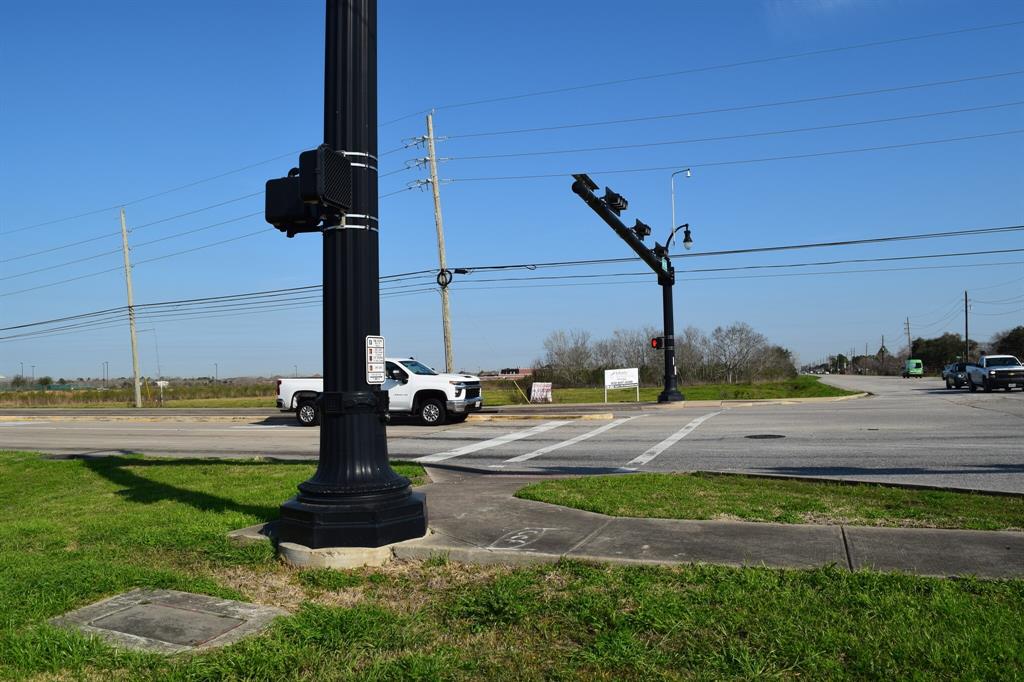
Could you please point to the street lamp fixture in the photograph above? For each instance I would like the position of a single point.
(672, 184)
(687, 239)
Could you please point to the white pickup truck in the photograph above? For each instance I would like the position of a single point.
(413, 389)
(995, 371)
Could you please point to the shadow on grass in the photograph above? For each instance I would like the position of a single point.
(136, 488)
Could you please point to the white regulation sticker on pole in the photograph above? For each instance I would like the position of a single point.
(375, 359)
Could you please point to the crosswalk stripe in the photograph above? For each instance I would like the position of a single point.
(656, 450)
(492, 443)
(572, 441)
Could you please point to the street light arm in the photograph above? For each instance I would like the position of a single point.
(668, 242)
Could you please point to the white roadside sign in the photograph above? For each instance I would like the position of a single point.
(622, 378)
(375, 360)
(540, 392)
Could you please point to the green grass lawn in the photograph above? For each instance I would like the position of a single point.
(76, 531)
(269, 401)
(504, 393)
(727, 496)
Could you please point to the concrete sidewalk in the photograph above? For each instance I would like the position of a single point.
(474, 518)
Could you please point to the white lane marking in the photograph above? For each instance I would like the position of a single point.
(572, 441)
(492, 443)
(24, 423)
(656, 450)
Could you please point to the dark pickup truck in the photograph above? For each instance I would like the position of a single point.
(995, 371)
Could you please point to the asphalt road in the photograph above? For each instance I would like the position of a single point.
(910, 431)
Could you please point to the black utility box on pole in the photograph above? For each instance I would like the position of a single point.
(609, 207)
(355, 498)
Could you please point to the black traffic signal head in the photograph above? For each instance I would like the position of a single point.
(321, 187)
(658, 343)
(285, 209)
(585, 180)
(641, 230)
(615, 201)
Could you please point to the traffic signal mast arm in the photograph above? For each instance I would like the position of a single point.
(584, 187)
(609, 207)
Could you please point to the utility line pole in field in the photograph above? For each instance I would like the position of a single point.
(131, 310)
(444, 276)
(910, 343)
(967, 337)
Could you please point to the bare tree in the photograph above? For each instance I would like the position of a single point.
(569, 355)
(692, 355)
(734, 347)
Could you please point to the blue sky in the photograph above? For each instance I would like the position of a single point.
(106, 103)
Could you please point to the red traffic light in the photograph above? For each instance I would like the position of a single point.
(658, 343)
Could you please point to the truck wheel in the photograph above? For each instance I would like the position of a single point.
(949, 384)
(432, 412)
(985, 386)
(307, 414)
(973, 387)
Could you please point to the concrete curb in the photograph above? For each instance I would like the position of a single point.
(858, 481)
(595, 416)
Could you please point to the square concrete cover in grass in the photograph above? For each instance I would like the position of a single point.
(166, 621)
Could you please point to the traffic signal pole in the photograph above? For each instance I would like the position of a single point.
(670, 393)
(354, 499)
(608, 208)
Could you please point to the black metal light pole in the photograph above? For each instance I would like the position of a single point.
(354, 499)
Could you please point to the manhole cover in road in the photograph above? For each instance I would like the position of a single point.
(759, 436)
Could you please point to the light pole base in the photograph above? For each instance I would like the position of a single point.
(358, 521)
(672, 396)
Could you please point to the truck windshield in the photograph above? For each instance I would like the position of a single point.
(1002, 362)
(418, 368)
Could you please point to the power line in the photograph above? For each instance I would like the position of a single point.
(295, 294)
(709, 164)
(137, 227)
(149, 196)
(60, 265)
(205, 246)
(136, 246)
(147, 260)
(184, 316)
(738, 136)
(743, 107)
(767, 249)
(999, 301)
(236, 219)
(714, 67)
(470, 287)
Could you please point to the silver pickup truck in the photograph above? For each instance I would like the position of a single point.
(995, 371)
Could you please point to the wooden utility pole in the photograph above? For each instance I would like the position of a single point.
(967, 338)
(443, 278)
(910, 343)
(131, 310)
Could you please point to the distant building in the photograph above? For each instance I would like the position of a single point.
(511, 373)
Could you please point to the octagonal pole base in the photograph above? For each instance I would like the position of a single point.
(672, 396)
(353, 521)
